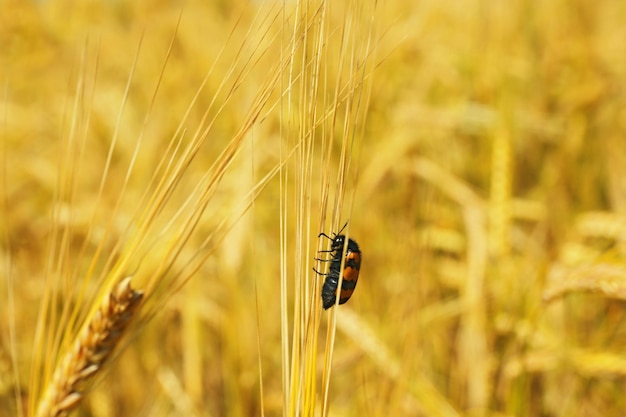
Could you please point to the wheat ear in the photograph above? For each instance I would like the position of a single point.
(91, 350)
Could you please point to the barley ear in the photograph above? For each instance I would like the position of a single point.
(90, 351)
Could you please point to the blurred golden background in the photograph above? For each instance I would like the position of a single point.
(486, 187)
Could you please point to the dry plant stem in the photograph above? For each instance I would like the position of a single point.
(90, 351)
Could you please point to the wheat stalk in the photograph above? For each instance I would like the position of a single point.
(90, 351)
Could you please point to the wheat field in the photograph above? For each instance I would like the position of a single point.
(166, 168)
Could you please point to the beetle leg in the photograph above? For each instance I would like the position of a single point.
(323, 260)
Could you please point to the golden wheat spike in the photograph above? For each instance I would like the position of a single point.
(90, 351)
(604, 278)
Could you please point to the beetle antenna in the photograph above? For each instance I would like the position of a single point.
(344, 226)
(325, 235)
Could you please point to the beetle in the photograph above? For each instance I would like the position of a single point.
(350, 273)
